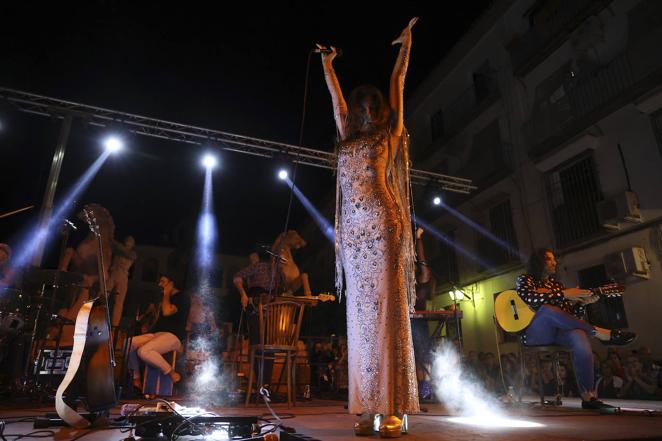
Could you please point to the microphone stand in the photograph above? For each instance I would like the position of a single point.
(457, 321)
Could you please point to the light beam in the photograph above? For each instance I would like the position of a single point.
(441, 236)
(464, 396)
(35, 235)
(502, 243)
(323, 224)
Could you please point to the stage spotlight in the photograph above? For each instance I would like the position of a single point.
(283, 174)
(209, 161)
(113, 144)
(436, 200)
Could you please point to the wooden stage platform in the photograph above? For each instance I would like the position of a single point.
(329, 421)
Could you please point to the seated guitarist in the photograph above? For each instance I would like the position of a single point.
(558, 320)
(258, 283)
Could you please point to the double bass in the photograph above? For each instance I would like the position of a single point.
(90, 375)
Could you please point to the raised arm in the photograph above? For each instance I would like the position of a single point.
(424, 274)
(396, 92)
(337, 98)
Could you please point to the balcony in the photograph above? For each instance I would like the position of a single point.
(554, 22)
(465, 108)
(589, 99)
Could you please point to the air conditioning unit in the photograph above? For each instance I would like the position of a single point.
(629, 262)
(622, 207)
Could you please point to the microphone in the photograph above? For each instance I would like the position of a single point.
(277, 256)
(68, 223)
(328, 51)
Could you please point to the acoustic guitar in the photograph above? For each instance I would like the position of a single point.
(514, 315)
(89, 377)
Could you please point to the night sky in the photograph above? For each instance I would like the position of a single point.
(240, 71)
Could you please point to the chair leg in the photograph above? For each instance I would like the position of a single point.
(294, 379)
(540, 386)
(558, 401)
(249, 388)
(289, 383)
(521, 376)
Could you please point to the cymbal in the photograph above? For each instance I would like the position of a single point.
(52, 277)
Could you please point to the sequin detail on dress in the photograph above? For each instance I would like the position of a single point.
(381, 362)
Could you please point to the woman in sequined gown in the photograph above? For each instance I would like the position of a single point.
(374, 246)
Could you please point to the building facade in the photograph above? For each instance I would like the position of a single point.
(554, 109)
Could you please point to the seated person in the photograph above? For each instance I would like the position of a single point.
(166, 335)
(558, 320)
(258, 284)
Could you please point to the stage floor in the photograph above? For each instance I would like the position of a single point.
(329, 421)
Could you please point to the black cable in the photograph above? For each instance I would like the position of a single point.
(96, 429)
(35, 434)
(301, 126)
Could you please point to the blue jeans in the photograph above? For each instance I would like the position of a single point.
(552, 325)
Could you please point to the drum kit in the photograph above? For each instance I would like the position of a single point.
(31, 355)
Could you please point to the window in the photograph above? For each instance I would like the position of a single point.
(501, 225)
(437, 125)
(573, 194)
(483, 82)
(608, 311)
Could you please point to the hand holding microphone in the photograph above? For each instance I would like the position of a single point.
(330, 51)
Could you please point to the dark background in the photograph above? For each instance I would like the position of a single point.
(239, 69)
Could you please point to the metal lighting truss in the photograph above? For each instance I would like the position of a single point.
(157, 128)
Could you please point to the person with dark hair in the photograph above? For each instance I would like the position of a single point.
(260, 277)
(258, 284)
(166, 335)
(558, 320)
(374, 245)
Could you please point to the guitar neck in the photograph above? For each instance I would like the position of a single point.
(610, 290)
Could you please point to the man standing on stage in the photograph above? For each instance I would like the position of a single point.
(557, 320)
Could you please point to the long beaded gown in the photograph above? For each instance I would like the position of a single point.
(374, 248)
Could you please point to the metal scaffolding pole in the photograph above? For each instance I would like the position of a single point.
(51, 186)
(157, 128)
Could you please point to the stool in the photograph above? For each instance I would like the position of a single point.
(538, 352)
(156, 382)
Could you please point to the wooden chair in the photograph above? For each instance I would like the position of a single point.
(280, 324)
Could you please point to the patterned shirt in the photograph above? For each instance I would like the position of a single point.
(259, 275)
(526, 286)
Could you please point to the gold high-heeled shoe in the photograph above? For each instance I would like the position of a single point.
(365, 425)
(390, 427)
